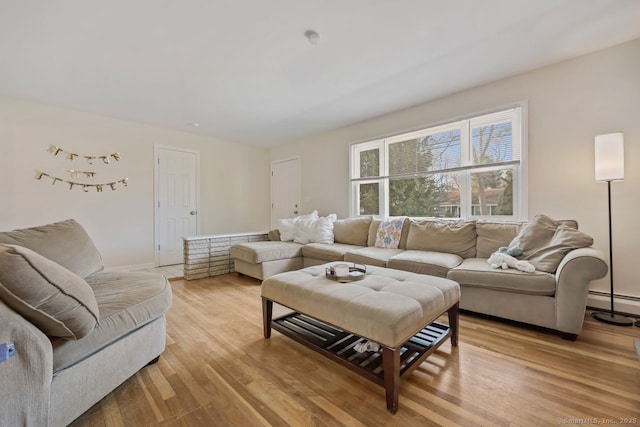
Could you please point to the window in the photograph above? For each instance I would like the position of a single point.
(467, 168)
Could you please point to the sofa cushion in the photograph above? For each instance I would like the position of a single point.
(267, 269)
(335, 252)
(545, 242)
(257, 252)
(425, 262)
(454, 237)
(65, 243)
(352, 231)
(57, 301)
(371, 256)
(127, 301)
(494, 235)
(477, 272)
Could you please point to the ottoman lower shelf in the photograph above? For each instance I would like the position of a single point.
(337, 345)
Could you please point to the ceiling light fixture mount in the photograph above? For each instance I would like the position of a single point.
(312, 36)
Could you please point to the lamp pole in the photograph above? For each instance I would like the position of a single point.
(610, 166)
(610, 245)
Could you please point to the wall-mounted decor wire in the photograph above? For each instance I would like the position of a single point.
(75, 174)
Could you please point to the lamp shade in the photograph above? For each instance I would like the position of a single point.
(609, 156)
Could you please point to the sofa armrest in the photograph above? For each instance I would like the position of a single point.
(573, 276)
(26, 377)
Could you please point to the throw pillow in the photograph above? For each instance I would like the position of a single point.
(535, 234)
(545, 242)
(564, 240)
(57, 301)
(65, 243)
(285, 226)
(389, 233)
(319, 230)
(274, 235)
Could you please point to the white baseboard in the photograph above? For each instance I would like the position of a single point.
(621, 303)
(132, 267)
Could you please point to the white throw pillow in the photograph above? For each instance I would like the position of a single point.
(285, 226)
(319, 230)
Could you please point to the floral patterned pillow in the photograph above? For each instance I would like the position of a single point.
(388, 235)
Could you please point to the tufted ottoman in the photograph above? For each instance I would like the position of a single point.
(394, 308)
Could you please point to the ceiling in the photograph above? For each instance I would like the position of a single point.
(244, 71)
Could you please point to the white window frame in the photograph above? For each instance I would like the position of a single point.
(516, 113)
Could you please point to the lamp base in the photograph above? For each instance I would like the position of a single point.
(612, 318)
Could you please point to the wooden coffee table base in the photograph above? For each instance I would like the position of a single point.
(384, 367)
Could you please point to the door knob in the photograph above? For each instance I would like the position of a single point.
(295, 212)
(193, 212)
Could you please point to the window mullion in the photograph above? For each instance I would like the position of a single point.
(465, 144)
(465, 176)
(384, 183)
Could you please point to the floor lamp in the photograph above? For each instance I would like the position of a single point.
(609, 162)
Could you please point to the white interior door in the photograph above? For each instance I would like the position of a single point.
(177, 203)
(285, 189)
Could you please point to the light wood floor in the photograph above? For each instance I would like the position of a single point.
(218, 370)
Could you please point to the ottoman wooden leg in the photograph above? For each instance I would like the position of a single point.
(391, 366)
(453, 323)
(267, 315)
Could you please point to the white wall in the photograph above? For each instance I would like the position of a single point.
(569, 103)
(234, 194)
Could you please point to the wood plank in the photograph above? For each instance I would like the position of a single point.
(223, 372)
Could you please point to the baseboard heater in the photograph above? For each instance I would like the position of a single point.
(624, 304)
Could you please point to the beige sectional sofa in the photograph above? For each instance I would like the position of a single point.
(78, 331)
(554, 296)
